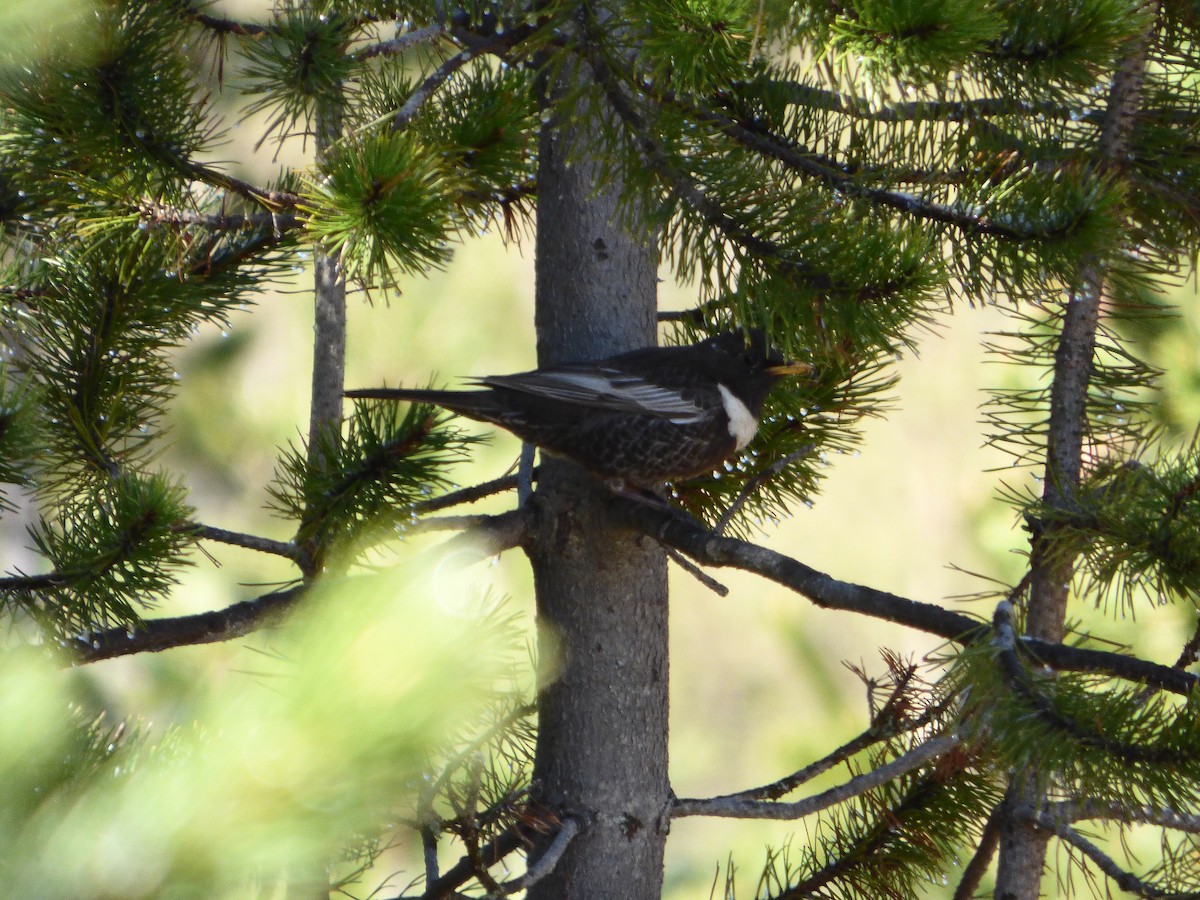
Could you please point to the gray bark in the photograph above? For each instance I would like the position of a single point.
(1023, 848)
(329, 311)
(601, 591)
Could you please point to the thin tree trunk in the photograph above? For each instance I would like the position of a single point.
(329, 321)
(1023, 849)
(329, 312)
(601, 592)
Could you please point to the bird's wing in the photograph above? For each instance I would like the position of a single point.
(603, 388)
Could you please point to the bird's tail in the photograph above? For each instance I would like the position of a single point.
(479, 405)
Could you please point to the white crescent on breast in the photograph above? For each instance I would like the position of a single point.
(742, 423)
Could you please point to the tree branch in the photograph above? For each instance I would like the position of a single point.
(545, 863)
(1125, 880)
(1067, 811)
(464, 870)
(737, 808)
(677, 530)
(467, 494)
(674, 529)
(286, 549)
(400, 44)
(974, 871)
(1022, 851)
(887, 724)
(202, 628)
(828, 171)
(1018, 681)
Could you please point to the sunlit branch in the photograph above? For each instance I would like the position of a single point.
(490, 536)
(737, 808)
(780, 149)
(683, 533)
(1068, 811)
(400, 44)
(914, 110)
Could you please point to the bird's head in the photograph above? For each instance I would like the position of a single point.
(748, 365)
(750, 350)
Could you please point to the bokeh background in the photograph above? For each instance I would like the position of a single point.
(760, 684)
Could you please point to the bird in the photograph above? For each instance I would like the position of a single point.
(639, 419)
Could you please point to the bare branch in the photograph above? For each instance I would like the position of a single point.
(1067, 811)
(736, 808)
(547, 861)
(463, 871)
(696, 572)
(425, 89)
(466, 495)
(286, 549)
(674, 529)
(974, 871)
(400, 44)
(887, 724)
(489, 536)
(202, 628)
(1125, 880)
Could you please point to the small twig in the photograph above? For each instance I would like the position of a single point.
(547, 861)
(989, 841)
(696, 572)
(286, 549)
(760, 809)
(425, 89)
(884, 727)
(399, 44)
(1068, 811)
(752, 485)
(466, 495)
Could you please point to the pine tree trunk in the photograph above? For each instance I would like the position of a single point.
(1023, 848)
(601, 592)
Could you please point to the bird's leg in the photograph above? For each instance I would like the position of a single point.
(525, 473)
(651, 496)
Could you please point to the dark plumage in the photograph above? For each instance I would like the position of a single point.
(644, 417)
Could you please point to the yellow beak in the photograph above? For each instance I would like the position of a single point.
(790, 368)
